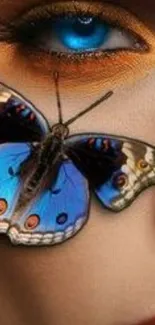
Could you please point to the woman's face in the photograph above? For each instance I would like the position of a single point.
(106, 273)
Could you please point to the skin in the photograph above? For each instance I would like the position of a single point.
(105, 274)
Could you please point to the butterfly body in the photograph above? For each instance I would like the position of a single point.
(47, 175)
(44, 163)
(41, 168)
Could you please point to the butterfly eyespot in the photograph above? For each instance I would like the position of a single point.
(32, 222)
(20, 108)
(142, 164)
(91, 142)
(120, 180)
(10, 171)
(56, 191)
(32, 117)
(62, 218)
(105, 144)
(3, 206)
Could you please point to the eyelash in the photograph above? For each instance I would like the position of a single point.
(20, 30)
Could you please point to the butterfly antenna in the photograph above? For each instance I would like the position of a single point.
(56, 81)
(89, 108)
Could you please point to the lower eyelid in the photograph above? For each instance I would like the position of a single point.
(107, 68)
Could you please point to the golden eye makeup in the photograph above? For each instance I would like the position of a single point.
(82, 40)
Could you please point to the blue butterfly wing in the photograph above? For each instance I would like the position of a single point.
(11, 158)
(20, 123)
(57, 213)
(117, 168)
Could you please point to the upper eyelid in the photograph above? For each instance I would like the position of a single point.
(69, 7)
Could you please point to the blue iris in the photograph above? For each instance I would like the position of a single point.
(81, 34)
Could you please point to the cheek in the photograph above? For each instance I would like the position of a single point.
(105, 274)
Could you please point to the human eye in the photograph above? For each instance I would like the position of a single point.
(78, 37)
(69, 29)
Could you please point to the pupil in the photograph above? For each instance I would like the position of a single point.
(62, 218)
(80, 33)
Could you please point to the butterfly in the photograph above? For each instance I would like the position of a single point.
(47, 175)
